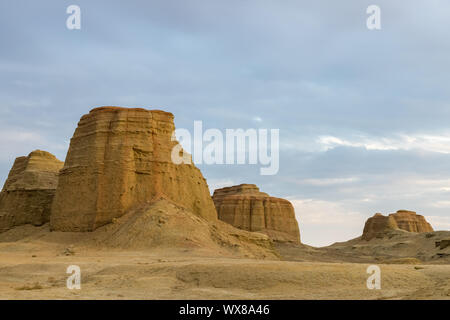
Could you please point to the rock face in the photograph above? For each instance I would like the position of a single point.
(444, 243)
(405, 220)
(120, 158)
(28, 192)
(247, 208)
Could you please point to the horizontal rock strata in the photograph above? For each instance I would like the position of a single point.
(27, 195)
(405, 220)
(247, 208)
(120, 158)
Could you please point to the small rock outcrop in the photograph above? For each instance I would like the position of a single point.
(379, 224)
(444, 243)
(120, 158)
(27, 195)
(245, 207)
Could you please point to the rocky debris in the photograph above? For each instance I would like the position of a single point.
(444, 243)
(378, 225)
(245, 207)
(118, 159)
(69, 251)
(33, 286)
(28, 192)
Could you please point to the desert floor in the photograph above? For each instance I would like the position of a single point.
(37, 270)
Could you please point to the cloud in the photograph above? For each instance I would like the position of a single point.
(330, 142)
(329, 182)
(426, 142)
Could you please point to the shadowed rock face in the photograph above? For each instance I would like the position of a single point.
(120, 158)
(247, 208)
(405, 220)
(28, 192)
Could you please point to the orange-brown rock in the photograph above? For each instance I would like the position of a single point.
(28, 192)
(377, 225)
(247, 208)
(120, 158)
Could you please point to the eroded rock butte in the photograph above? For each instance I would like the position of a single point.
(28, 192)
(120, 158)
(245, 207)
(377, 225)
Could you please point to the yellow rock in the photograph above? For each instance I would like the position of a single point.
(247, 208)
(29, 190)
(118, 159)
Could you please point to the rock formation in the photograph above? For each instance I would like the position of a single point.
(28, 192)
(444, 243)
(247, 208)
(405, 220)
(118, 159)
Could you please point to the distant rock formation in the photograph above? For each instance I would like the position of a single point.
(405, 220)
(245, 207)
(28, 192)
(120, 158)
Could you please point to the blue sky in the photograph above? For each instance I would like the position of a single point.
(363, 115)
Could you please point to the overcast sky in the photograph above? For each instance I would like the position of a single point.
(364, 116)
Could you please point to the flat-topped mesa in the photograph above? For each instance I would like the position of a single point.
(245, 207)
(120, 158)
(379, 224)
(28, 192)
(240, 189)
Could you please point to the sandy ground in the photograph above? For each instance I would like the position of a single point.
(37, 270)
(164, 252)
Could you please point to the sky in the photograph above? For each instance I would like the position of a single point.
(363, 114)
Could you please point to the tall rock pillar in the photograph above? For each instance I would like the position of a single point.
(120, 158)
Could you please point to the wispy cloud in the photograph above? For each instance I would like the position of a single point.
(328, 181)
(426, 142)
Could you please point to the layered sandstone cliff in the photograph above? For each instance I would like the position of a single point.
(28, 192)
(118, 159)
(377, 225)
(247, 208)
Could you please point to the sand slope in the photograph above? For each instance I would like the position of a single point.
(164, 224)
